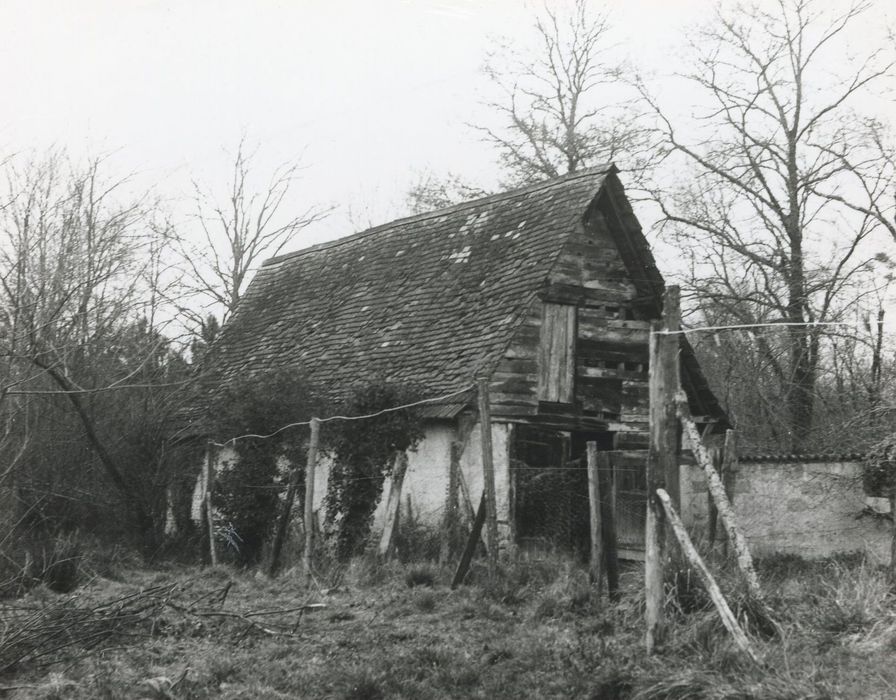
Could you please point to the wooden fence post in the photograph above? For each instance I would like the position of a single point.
(310, 464)
(393, 503)
(726, 512)
(596, 564)
(475, 533)
(729, 472)
(712, 513)
(210, 454)
(606, 470)
(693, 557)
(451, 504)
(283, 522)
(662, 459)
(488, 476)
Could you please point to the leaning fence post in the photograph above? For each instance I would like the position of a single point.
(488, 476)
(662, 459)
(715, 594)
(393, 504)
(596, 564)
(309, 495)
(717, 488)
(283, 521)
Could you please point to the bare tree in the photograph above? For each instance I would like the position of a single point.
(560, 109)
(432, 192)
(238, 231)
(780, 189)
(74, 266)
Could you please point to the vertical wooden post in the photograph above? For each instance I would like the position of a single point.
(671, 384)
(606, 469)
(595, 568)
(729, 472)
(283, 522)
(662, 459)
(209, 512)
(310, 464)
(451, 504)
(712, 513)
(393, 503)
(488, 476)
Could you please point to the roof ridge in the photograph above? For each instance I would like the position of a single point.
(603, 169)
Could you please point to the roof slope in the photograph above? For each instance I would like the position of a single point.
(429, 300)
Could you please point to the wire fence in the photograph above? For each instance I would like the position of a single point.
(543, 498)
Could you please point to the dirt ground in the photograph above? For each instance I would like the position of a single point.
(538, 631)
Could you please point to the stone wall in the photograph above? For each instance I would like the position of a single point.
(813, 509)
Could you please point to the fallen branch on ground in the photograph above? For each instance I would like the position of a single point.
(71, 628)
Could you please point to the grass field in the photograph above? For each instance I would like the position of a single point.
(537, 631)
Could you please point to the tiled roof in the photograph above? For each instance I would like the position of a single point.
(430, 300)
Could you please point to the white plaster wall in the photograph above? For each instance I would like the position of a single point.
(471, 466)
(810, 509)
(426, 479)
(225, 458)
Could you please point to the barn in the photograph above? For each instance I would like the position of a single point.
(546, 291)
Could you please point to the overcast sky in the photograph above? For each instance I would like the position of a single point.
(369, 91)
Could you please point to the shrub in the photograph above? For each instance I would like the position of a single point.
(363, 455)
(420, 576)
(416, 540)
(879, 468)
(248, 490)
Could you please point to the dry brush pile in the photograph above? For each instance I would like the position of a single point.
(36, 636)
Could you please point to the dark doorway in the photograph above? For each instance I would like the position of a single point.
(551, 509)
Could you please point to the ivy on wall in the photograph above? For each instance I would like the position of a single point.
(247, 491)
(363, 453)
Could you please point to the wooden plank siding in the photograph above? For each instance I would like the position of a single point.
(556, 354)
(587, 312)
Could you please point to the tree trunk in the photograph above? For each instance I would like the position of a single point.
(803, 353)
(143, 523)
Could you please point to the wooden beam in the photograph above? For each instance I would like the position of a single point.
(717, 489)
(488, 475)
(209, 466)
(464, 565)
(606, 471)
(596, 564)
(712, 512)
(662, 460)
(693, 557)
(729, 470)
(308, 519)
(283, 521)
(449, 526)
(466, 498)
(393, 504)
